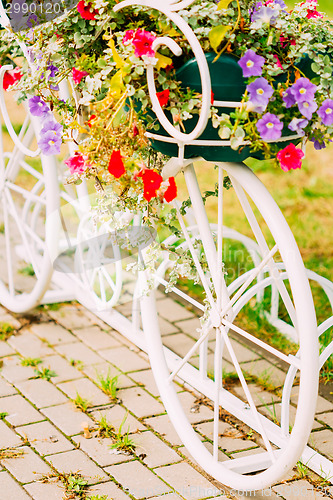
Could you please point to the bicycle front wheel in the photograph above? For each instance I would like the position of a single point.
(240, 282)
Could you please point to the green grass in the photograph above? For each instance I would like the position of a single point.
(108, 384)
(30, 361)
(44, 373)
(81, 403)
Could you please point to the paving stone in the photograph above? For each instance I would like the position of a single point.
(64, 370)
(77, 461)
(156, 452)
(10, 489)
(50, 491)
(45, 438)
(85, 388)
(167, 328)
(164, 427)
(20, 411)
(139, 402)
(327, 418)
(190, 326)
(298, 489)
(221, 456)
(6, 389)
(5, 317)
(99, 449)
(259, 395)
(265, 370)
(146, 379)
(79, 352)
(110, 489)
(322, 441)
(323, 405)
(105, 369)
(8, 438)
(169, 309)
(53, 333)
(72, 317)
(116, 415)
(127, 475)
(27, 467)
(29, 346)
(260, 494)
(206, 428)
(96, 338)
(67, 418)
(187, 481)
(168, 496)
(243, 354)
(124, 359)
(13, 371)
(195, 412)
(5, 349)
(273, 412)
(180, 343)
(41, 392)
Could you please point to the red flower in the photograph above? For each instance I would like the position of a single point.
(284, 41)
(116, 165)
(76, 163)
(91, 119)
(312, 11)
(78, 75)
(171, 193)
(290, 157)
(128, 37)
(277, 61)
(11, 77)
(143, 41)
(163, 97)
(84, 10)
(212, 97)
(151, 183)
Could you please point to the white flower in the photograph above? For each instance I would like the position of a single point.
(150, 60)
(93, 83)
(86, 99)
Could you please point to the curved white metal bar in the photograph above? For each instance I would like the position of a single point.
(180, 137)
(9, 126)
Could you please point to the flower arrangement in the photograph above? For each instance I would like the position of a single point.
(284, 56)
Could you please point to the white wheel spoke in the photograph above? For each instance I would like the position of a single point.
(264, 248)
(247, 393)
(108, 278)
(218, 386)
(101, 285)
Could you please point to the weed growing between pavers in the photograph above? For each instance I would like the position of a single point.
(27, 270)
(108, 384)
(31, 361)
(76, 363)
(122, 442)
(75, 484)
(10, 453)
(44, 373)
(6, 330)
(81, 403)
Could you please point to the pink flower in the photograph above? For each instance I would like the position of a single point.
(143, 41)
(312, 10)
(128, 37)
(278, 63)
(11, 77)
(76, 163)
(78, 75)
(290, 157)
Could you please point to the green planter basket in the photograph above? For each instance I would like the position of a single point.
(228, 84)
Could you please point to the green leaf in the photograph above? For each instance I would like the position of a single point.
(223, 4)
(216, 36)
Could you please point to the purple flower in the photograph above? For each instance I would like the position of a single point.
(289, 99)
(303, 90)
(50, 143)
(52, 126)
(53, 69)
(297, 125)
(265, 15)
(38, 107)
(32, 21)
(251, 64)
(326, 112)
(307, 108)
(270, 127)
(318, 144)
(260, 92)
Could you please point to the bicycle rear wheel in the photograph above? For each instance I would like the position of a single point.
(227, 330)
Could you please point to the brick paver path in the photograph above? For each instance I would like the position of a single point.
(42, 433)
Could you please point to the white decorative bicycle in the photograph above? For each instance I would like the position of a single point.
(274, 279)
